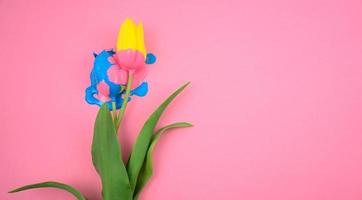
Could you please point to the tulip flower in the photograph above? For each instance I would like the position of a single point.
(113, 70)
(131, 52)
(108, 82)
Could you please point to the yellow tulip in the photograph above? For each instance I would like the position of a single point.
(131, 37)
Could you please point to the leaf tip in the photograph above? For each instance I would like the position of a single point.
(184, 85)
(14, 190)
(188, 124)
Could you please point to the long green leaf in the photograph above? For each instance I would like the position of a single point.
(107, 160)
(147, 169)
(52, 184)
(140, 148)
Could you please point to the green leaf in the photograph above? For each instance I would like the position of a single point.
(140, 148)
(147, 170)
(58, 185)
(106, 155)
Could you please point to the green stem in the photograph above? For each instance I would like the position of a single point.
(125, 100)
(114, 109)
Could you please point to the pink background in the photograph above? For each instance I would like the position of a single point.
(275, 97)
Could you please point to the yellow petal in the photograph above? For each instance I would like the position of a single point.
(127, 35)
(140, 40)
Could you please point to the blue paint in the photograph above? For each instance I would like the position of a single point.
(150, 59)
(99, 73)
(141, 90)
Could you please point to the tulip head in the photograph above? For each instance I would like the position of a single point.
(108, 82)
(112, 68)
(131, 37)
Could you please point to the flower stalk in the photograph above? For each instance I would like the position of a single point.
(125, 101)
(114, 109)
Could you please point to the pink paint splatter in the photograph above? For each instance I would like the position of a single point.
(134, 63)
(130, 60)
(117, 75)
(103, 91)
(111, 60)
